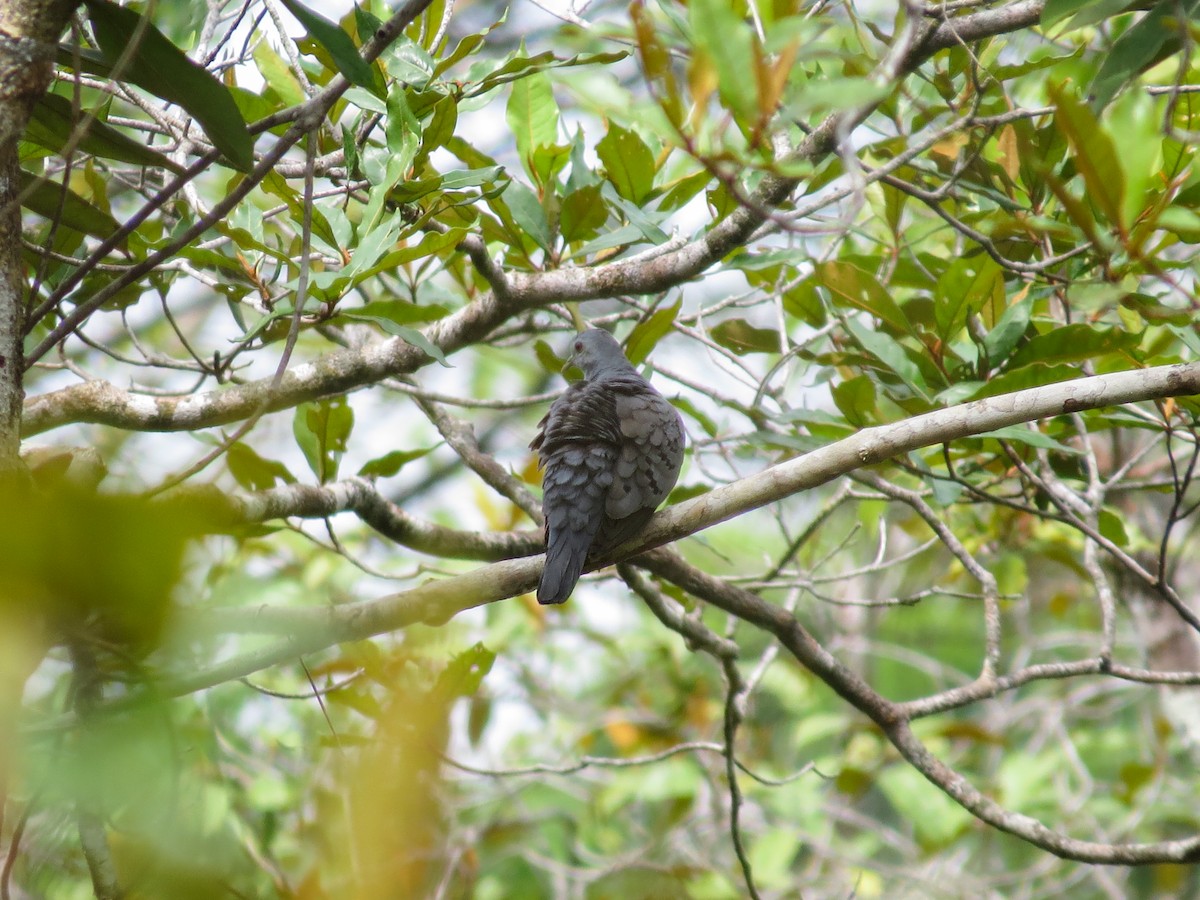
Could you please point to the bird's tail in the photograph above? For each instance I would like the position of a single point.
(566, 551)
(575, 482)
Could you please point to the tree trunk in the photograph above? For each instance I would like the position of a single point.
(29, 30)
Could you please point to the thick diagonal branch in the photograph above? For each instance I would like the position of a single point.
(311, 629)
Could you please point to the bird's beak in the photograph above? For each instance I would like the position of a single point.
(571, 362)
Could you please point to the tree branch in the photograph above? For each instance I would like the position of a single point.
(347, 370)
(891, 720)
(359, 496)
(461, 438)
(311, 629)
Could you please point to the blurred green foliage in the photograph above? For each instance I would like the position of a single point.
(1036, 222)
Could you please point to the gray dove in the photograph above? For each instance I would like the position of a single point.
(610, 451)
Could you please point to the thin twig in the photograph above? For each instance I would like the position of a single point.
(733, 718)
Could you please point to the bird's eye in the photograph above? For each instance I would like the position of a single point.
(578, 346)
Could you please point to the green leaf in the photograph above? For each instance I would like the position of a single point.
(280, 80)
(528, 214)
(1136, 117)
(1135, 775)
(683, 190)
(411, 335)
(1151, 309)
(53, 123)
(1056, 10)
(409, 191)
(793, 443)
(1024, 435)
(390, 463)
(254, 472)
(322, 431)
(645, 222)
(410, 64)
(582, 174)
(1095, 153)
(460, 178)
(275, 185)
(390, 326)
(636, 881)
(936, 819)
(741, 337)
(522, 66)
(855, 397)
(891, 354)
(431, 244)
(826, 425)
(366, 23)
(656, 63)
(1074, 343)
(465, 673)
(835, 93)
(255, 105)
(647, 334)
(479, 713)
(618, 237)
(1000, 341)
(549, 360)
(365, 100)
(772, 856)
(628, 163)
(402, 312)
(547, 162)
(467, 46)
(402, 132)
(338, 44)
(1148, 41)
(1036, 375)
(945, 493)
(83, 59)
(702, 418)
(965, 287)
(51, 200)
(532, 115)
(1036, 64)
(1077, 211)
(441, 125)
(582, 215)
(125, 557)
(803, 302)
(140, 53)
(860, 289)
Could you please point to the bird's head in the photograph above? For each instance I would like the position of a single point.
(595, 352)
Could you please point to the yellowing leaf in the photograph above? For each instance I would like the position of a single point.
(950, 146)
(1010, 157)
(624, 734)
